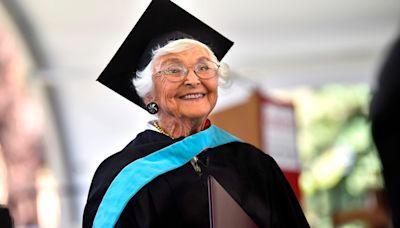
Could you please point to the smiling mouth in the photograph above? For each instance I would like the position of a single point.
(192, 96)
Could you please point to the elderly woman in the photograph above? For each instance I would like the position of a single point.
(182, 80)
(160, 178)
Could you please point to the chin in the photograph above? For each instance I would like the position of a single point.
(196, 114)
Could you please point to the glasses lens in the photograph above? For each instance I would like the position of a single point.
(206, 69)
(174, 73)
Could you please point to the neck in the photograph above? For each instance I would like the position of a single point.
(176, 127)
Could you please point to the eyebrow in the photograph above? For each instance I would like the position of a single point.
(176, 60)
(169, 61)
(203, 58)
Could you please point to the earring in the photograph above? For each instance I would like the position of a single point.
(152, 107)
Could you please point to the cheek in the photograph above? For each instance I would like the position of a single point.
(213, 99)
(163, 89)
(166, 92)
(212, 87)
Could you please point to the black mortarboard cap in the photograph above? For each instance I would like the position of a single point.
(162, 22)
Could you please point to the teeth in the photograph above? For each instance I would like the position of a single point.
(193, 96)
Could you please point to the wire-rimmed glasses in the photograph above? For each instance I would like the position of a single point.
(177, 72)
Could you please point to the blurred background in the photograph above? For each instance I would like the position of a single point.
(303, 75)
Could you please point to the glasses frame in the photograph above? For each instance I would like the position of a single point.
(182, 77)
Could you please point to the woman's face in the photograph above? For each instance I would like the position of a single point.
(191, 99)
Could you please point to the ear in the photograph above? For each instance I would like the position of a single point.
(148, 98)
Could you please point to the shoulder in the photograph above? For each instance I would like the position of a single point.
(136, 149)
(143, 145)
(244, 154)
(244, 149)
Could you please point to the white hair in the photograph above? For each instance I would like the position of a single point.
(143, 81)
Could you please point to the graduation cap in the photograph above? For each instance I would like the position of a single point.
(162, 22)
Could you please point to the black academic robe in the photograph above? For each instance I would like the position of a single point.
(179, 198)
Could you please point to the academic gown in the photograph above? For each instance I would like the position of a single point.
(179, 198)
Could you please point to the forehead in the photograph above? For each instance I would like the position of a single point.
(188, 56)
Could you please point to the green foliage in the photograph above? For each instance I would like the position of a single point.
(340, 163)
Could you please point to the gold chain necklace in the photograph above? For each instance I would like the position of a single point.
(155, 124)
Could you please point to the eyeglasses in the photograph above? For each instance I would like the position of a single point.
(178, 72)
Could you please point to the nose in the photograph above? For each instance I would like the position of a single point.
(192, 78)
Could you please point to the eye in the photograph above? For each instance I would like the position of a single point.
(173, 71)
(202, 67)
